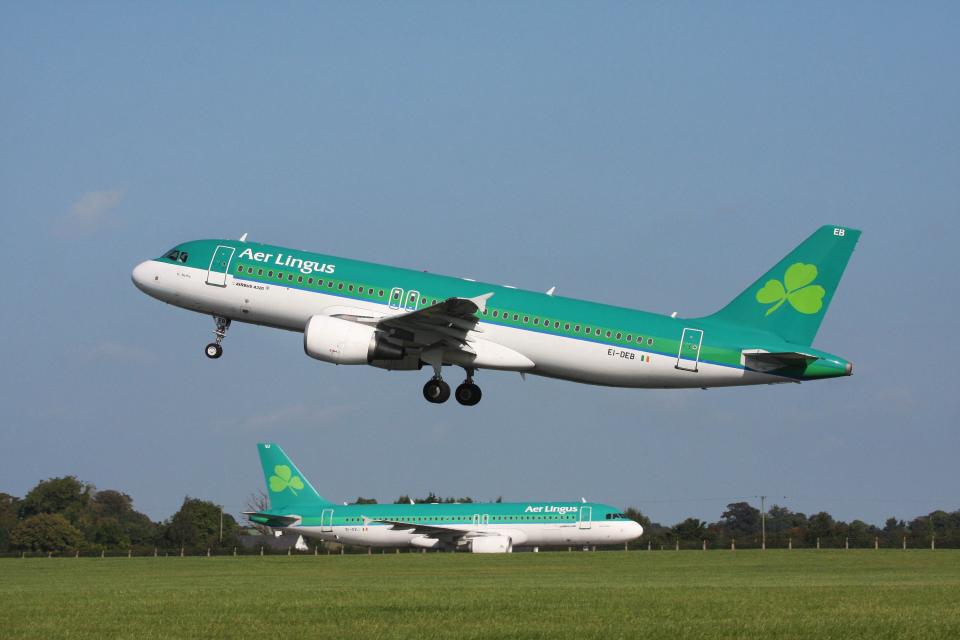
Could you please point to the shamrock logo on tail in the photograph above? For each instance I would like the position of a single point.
(284, 479)
(796, 289)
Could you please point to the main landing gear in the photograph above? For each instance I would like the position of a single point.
(214, 350)
(437, 391)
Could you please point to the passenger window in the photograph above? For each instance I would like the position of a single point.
(629, 338)
(608, 334)
(576, 329)
(526, 319)
(516, 316)
(649, 340)
(496, 313)
(239, 268)
(290, 277)
(566, 326)
(350, 288)
(556, 324)
(299, 278)
(340, 286)
(586, 330)
(250, 270)
(380, 293)
(536, 321)
(259, 272)
(598, 331)
(269, 274)
(639, 339)
(330, 284)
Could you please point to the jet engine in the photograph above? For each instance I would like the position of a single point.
(343, 342)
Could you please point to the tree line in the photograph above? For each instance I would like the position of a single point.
(65, 515)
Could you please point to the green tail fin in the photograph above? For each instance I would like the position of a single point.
(791, 299)
(287, 487)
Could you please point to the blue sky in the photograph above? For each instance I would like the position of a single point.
(659, 156)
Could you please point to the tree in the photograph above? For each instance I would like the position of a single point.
(690, 530)
(740, 520)
(65, 495)
(197, 526)
(362, 500)
(9, 512)
(46, 532)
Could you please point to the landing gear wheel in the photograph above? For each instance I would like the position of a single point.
(468, 394)
(214, 350)
(436, 391)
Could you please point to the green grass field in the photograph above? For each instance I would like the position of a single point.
(638, 594)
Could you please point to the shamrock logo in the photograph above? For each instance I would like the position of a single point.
(796, 289)
(284, 480)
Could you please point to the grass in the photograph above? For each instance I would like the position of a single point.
(688, 594)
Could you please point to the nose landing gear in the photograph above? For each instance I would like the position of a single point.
(214, 350)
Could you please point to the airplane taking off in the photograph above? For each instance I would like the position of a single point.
(353, 312)
(498, 527)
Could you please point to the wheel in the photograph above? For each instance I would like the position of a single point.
(214, 350)
(436, 391)
(468, 394)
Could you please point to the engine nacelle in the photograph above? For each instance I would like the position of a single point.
(491, 544)
(343, 342)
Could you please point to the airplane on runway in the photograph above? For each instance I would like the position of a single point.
(296, 507)
(353, 312)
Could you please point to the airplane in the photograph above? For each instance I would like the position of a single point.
(360, 313)
(498, 527)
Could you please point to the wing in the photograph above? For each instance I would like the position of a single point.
(430, 531)
(445, 323)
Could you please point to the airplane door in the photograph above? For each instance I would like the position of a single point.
(326, 520)
(396, 294)
(586, 515)
(219, 265)
(413, 298)
(689, 355)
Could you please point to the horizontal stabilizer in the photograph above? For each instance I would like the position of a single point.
(767, 361)
(270, 519)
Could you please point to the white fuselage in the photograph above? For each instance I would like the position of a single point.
(528, 534)
(290, 308)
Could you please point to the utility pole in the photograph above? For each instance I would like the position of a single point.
(763, 523)
(221, 525)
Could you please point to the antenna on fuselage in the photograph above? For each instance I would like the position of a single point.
(551, 290)
(243, 238)
(582, 499)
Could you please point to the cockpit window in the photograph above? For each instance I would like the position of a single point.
(183, 256)
(173, 255)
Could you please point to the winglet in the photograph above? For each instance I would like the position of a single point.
(481, 301)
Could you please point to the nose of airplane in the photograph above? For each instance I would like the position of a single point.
(143, 275)
(635, 529)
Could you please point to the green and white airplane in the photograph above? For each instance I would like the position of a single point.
(296, 507)
(353, 312)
